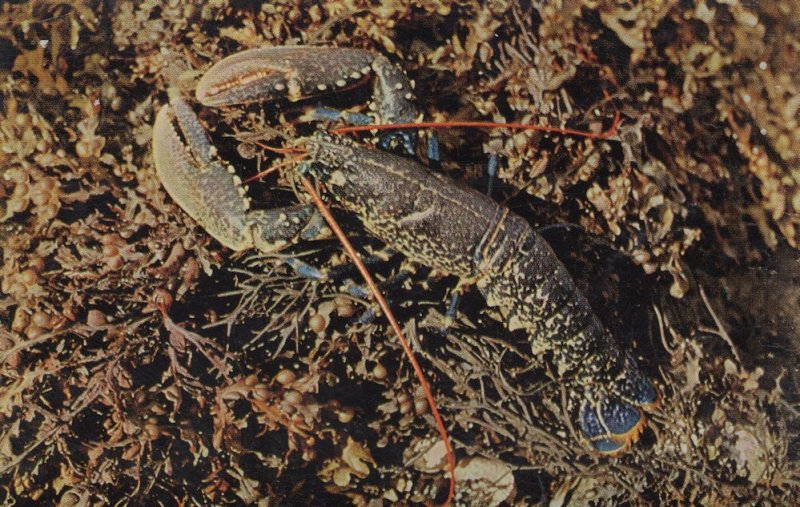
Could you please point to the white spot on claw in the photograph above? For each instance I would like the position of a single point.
(280, 87)
(355, 75)
(398, 86)
(322, 87)
(340, 82)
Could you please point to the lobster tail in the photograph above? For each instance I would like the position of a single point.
(536, 293)
(611, 425)
(611, 413)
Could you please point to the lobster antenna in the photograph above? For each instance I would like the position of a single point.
(281, 151)
(296, 158)
(610, 132)
(323, 209)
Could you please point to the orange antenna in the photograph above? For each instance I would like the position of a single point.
(291, 160)
(282, 151)
(323, 209)
(611, 132)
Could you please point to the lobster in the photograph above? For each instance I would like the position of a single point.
(427, 217)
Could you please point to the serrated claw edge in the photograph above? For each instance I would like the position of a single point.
(196, 179)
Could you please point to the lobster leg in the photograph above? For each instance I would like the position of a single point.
(322, 113)
(209, 191)
(386, 140)
(491, 172)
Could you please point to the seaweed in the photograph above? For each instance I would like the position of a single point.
(142, 362)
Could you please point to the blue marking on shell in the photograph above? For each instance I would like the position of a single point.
(619, 417)
(402, 137)
(616, 418)
(606, 445)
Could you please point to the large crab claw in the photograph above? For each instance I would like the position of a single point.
(209, 190)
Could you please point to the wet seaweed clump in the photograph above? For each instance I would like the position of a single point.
(141, 360)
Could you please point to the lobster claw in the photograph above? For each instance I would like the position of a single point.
(210, 192)
(196, 178)
(296, 73)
